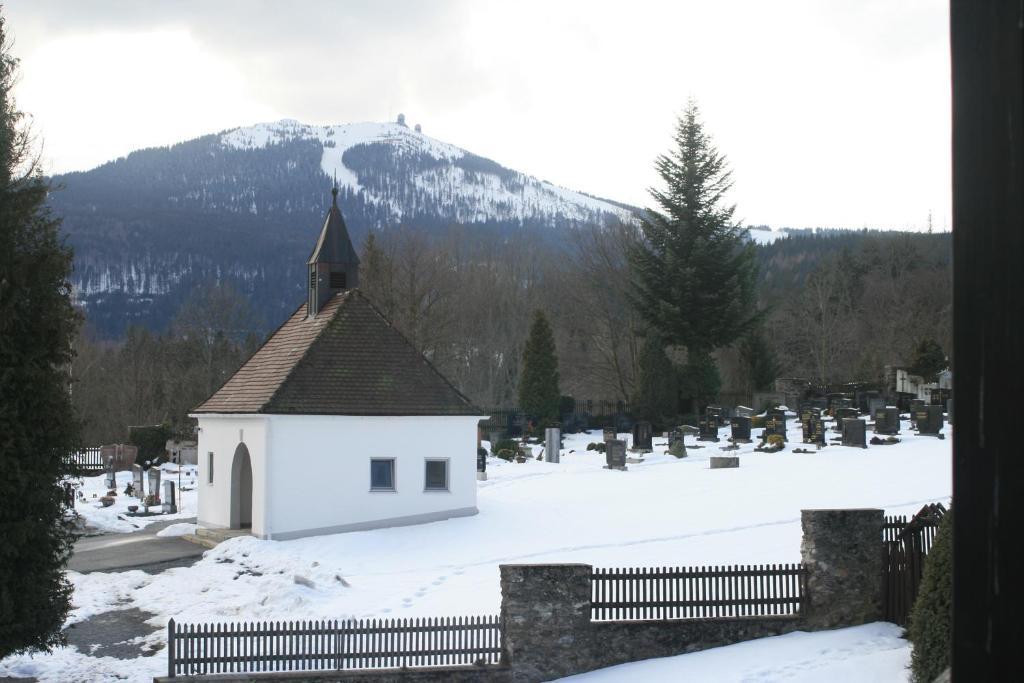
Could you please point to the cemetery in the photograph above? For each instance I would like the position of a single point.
(586, 507)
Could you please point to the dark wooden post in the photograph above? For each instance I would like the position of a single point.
(170, 648)
(987, 41)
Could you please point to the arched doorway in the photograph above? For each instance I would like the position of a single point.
(241, 489)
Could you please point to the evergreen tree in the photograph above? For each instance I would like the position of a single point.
(928, 360)
(37, 326)
(694, 270)
(538, 384)
(931, 619)
(759, 360)
(700, 381)
(657, 392)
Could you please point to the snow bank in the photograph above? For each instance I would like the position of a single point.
(873, 652)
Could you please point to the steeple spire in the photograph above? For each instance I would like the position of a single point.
(333, 265)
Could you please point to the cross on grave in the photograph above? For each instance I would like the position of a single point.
(642, 436)
(929, 421)
(887, 420)
(615, 455)
(741, 429)
(855, 432)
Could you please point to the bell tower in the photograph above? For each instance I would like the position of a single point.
(333, 265)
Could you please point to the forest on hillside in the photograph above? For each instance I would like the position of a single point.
(837, 306)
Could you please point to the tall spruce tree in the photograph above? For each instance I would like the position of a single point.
(538, 384)
(693, 272)
(37, 427)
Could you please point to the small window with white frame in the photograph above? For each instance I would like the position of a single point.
(209, 467)
(382, 474)
(435, 474)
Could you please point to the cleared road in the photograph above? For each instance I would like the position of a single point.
(142, 550)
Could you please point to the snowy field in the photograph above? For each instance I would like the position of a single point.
(663, 511)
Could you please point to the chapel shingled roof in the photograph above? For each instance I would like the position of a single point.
(346, 360)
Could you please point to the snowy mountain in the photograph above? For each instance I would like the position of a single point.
(246, 204)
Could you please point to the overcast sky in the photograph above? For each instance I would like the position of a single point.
(832, 113)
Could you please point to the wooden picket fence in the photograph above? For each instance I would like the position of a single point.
(331, 645)
(696, 592)
(907, 544)
(86, 460)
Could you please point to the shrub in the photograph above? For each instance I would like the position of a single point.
(504, 444)
(776, 440)
(931, 619)
(506, 454)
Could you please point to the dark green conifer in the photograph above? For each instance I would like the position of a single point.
(931, 619)
(37, 427)
(538, 384)
(657, 392)
(694, 271)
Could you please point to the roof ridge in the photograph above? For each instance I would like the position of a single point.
(298, 361)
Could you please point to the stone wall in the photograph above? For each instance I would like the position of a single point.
(479, 674)
(843, 553)
(548, 633)
(545, 616)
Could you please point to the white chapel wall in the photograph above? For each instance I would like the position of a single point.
(319, 471)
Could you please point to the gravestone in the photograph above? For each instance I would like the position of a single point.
(855, 432)
(552, 444)
(714, 413)
(719, 462)
(774, 425)
(844, 414)
(915, 405)
(949, 411)
(642, 436)
(741, 429)
(481, 465)
(495, 437)
(109, 476)
(887, 420)
(929, 421)
(676, 446)
(615, 455)
(609, 434)
(153, 476)
(817, 432)
(708, 425)
(743, 411)
(170, 503)
(875, 404)
(137, 487)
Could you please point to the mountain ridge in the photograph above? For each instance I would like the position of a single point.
(244, 204)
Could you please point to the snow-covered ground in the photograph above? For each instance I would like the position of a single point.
(663, 511)
(873, 652)
(115, 519)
